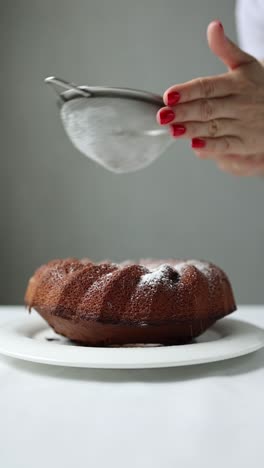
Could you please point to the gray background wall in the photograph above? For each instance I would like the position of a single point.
(56, 203)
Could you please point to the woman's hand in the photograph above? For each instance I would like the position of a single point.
(224, 114)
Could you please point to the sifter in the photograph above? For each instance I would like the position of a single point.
(116, 127)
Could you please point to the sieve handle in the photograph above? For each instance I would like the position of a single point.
(54, 82)
(73, 91)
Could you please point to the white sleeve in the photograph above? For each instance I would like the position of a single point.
(250, 26)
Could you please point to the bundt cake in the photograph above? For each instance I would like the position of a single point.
(166, 302)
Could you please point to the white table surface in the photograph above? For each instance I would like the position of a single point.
(211, 415)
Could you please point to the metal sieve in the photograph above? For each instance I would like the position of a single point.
(116, 127)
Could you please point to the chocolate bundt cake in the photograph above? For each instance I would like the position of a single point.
(167, 302)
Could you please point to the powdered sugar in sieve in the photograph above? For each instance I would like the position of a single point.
(116, 127)
(120, 134)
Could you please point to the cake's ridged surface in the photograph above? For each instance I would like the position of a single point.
(154, 301)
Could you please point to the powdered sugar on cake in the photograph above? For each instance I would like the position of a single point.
(160, 271)
(201, 266)
(155, 276)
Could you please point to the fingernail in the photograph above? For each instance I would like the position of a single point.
(177, 130)
(173, 98)
(166, 116)
(198, 143)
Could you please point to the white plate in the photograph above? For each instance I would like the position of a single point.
(31, 339)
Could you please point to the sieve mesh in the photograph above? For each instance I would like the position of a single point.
(121, 134)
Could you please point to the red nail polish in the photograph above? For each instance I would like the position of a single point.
(219, 24)
(173, 98)
(198, 143)
(166, 116)
(177, 130)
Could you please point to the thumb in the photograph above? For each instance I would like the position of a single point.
(224, 48)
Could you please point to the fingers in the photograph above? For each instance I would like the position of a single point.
(222, 145)
(213, 129)
(201, 110)
(200, 121)
(241, 166)
(224, 48)
(235, 164)
(200, 88)
(213, 86)
(234, 168)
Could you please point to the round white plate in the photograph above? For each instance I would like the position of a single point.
(31, 339)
